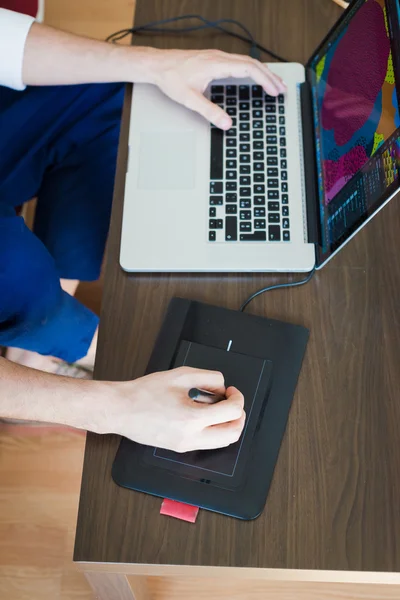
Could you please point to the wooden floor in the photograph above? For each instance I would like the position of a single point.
(40, 468)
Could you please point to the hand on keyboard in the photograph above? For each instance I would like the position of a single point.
(183, 75)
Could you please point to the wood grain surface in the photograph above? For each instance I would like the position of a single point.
(334, 500)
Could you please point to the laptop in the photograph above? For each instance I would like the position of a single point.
(293, 180)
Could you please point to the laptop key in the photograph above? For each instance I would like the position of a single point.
(244, 126)
(259, 211)
(259, 178)
(245, 203)
(217, 156)
(284, 175)
(257, 134)
(257, 91)
(244, 137)
(273, 195)
(244, 105)
(270, 119)
(282, 152)
(231, 153)
(259, 166)
(211, 236)
(244, 158)
(272, 183)
(244, 116)
(245, 215)
(230, 209)
(272, 150)
(244, 147)
(274, 217)
(231, 229)
(244, 191)
(286, 236)
(270, 108)
(231, 90)
(281, 120)
(271, 129)
(258, 145)
(216, 200)
(281, 98)
(257, 124)
(257, 103)
(285, 199)
(231, 110)
(285, 211)
(231, 142)
(285, 223)
(217, 89)
(231, 101)
(216, 187)
(232, 132)
(282, 141)
(272, 161)
(283, 164)
(269, 99)
(272, 139)
(231, 164)
(217, 99)
(231, 186)
(281, 110)
(259, 200)
(244, 169)
(258, 155)
(244, 92)
(272, 172)
(245, 180)
(274, 233)
(282, 130)
(231, 174)
(284, 186)
(245, 226)
(231, 197)
(257, 114)
(257, 236)
(259, 224)
(273, 206)
(259, 189)
(212, 212)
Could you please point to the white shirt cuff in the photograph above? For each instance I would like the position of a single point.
(14, 29)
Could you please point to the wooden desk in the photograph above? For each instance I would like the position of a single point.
(331, 526)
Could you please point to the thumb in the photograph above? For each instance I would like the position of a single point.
(212, 112)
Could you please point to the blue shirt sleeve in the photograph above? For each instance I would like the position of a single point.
(35, 313)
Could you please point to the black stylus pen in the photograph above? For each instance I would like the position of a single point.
(204, 396)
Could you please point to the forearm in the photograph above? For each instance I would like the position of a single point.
(54, 57)
(33, 395)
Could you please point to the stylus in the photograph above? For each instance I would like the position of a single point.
(204, 396)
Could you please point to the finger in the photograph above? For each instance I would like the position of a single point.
(278, 80)
(212, 112)
(220, 436)
(212, 381)
(225, 411)
(248, 68)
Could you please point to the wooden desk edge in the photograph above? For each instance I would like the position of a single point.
(259, 574)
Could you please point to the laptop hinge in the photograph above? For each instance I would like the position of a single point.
(310, 170)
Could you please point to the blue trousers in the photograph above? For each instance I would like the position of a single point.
(59, 144)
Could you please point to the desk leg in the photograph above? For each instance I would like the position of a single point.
(115, 586)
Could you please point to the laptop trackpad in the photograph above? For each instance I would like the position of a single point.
(167, 160)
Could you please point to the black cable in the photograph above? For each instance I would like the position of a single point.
(154, 27)
(277, 287)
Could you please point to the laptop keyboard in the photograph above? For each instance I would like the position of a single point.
(248, 177)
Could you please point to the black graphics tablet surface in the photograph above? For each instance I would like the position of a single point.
(263, 361)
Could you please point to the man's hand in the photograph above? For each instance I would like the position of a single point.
(156, 410)
(183, 75)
